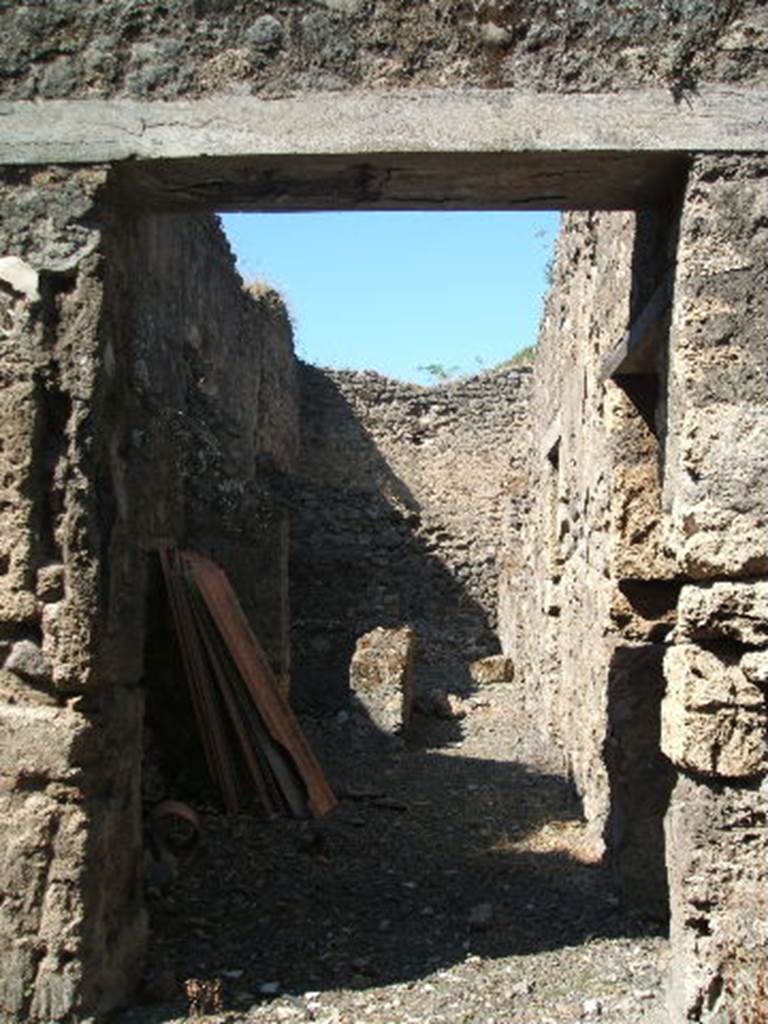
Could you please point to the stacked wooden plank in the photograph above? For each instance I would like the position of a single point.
(251, 739)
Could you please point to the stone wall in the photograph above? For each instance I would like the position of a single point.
(206, 387)
(195, 47)
(636, 615)
(585, 611)
(714, 725)
(123, 341)
(404, 493)
(646, 557)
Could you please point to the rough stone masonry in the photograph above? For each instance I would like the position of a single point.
(635, 610)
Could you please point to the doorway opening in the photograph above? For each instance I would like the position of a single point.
(308, 471)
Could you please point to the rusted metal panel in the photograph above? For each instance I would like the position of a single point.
(248, 730)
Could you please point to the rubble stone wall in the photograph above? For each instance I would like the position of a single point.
(404, 494)
(585, 610)
(189, 48)
(636, 616)
(123, 342)
(207, 397)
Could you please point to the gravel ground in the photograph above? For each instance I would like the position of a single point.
(453, 885)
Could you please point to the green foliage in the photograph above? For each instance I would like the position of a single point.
(549, 271)
(524, 357)
(439, 372)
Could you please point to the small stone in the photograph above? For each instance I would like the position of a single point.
(344, 6)
(266, 33)
(269, 988)
(447, 706)
(481, 916)
(50, 582)
(22, 277)
(591, 1008)
(522, 988)
(285, 1012)
(754, 665)
(498, 668)
(494, 36)
(27, 660)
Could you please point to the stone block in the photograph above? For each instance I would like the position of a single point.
(713, 718)
(716, 459)
(30, 819)
(725, 611)
(50, 582)
(640, 778)
(754, 665)
(71, 921)
(40, 741)
(498, 668)
(27, 661)
(381, 676)
(717, 856)
(637, 551)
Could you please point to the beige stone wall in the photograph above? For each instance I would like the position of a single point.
(714, 715)
(128, 353)
(641, 646)
(68, 751)
(594, 491)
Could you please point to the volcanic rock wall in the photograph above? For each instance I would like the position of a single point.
(171, 48)
(141, 390)
(404, 493)
(635, 616)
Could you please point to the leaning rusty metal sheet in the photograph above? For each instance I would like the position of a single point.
(229, 694)
(252, 663)
(210, 725)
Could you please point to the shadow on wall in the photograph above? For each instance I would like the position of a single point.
(361, 557)
(391, 890)
(640, 777)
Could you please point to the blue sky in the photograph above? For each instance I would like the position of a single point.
(396, 291)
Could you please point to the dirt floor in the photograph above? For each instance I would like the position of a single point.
(453, 885)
